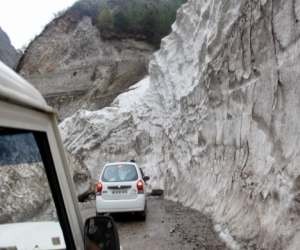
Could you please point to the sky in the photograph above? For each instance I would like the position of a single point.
(22, 20)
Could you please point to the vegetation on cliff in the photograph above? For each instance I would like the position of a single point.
(149, 20)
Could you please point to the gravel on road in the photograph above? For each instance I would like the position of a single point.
(169, 226)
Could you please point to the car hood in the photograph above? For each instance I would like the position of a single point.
(32, 235)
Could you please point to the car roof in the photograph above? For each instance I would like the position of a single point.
(120, 163)
(15, 89)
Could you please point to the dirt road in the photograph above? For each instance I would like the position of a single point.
(169, 226)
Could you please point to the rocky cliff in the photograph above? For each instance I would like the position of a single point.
(95, 50)
(216, 123)
(25, 194)
(73, 67)
(8, 53)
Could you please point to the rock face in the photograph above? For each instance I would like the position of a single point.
(24, 191)
(25, 194)
(8, 53)
(216, 123)
(81, 177)
(75, 68)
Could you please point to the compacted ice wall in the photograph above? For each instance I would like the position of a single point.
(217, 122)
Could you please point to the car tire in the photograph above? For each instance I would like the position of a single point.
(143, 215)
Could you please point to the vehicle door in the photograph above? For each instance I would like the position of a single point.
(37, 196)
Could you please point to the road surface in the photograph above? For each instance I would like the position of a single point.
(169, 226)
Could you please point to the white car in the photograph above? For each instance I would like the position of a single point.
(121, 188)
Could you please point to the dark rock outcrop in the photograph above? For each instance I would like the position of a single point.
(8, 53)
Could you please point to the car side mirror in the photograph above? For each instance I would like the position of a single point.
(100, 233)
(146, 178)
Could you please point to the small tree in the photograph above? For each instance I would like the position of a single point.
(105, 20)
(149, 24)
(121, 22)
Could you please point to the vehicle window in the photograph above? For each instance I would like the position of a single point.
(117, 173)
(26, 202)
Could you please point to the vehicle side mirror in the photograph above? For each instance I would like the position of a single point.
(146, 178)
(100, 233)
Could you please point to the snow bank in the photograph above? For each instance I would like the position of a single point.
(217, 122)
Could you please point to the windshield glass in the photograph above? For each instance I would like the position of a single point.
(118, 173)
(25, 194)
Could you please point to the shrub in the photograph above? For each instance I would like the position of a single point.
(87, 7)
(120, 21)
(105, 20)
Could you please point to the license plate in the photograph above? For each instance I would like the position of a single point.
(120, 192)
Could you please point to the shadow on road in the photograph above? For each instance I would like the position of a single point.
(125, 217)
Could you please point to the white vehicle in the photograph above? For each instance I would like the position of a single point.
(48, 235)
(121, 188)
(38, 203)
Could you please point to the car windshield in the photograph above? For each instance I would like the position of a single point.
(120, 172)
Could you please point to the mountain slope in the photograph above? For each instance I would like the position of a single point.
(74, 67)
(86, 56)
